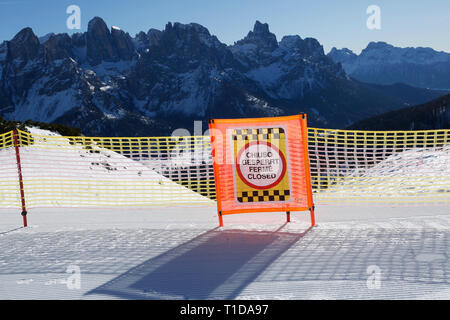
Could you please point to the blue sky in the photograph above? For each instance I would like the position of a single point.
(335, 23)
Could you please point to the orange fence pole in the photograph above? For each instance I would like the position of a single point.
(216, 176)
(19, 169)
(307, 169)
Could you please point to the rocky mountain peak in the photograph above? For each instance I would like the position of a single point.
(123, 43)
(154, 36)
(291, 42)
(383, 63)
(183, 32)
(261, 28)
(384, 53)
(193, 39)
(378, 45)
(97, 25)
(57, 46)
(191, 26)
(24, 45)
(308, 47)
(343, 56)
(261, 36)
(257, 47)
(313, 47)
(344, 51)
(99, 42)
(182, 48)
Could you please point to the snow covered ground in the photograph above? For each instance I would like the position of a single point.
(173, 253)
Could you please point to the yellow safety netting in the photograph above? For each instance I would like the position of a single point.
(9, 183)
(380, 166)
(346, 167)
(105, 172)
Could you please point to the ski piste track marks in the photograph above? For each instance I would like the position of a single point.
(139, 255)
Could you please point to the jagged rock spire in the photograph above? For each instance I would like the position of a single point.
(261, 36)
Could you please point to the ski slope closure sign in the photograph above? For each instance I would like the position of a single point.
(261, 164)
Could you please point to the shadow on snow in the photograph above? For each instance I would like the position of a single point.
(214, 265)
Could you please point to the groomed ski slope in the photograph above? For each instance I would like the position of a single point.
(179, 253)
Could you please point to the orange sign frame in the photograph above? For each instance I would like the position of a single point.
(298, 182)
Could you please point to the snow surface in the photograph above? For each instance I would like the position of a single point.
(37, 106)
(173, 253)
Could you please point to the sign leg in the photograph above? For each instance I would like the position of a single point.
(288, 216)
(220, 219)
(313, 219)
(24, 215)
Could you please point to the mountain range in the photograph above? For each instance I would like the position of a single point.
(109, 83)
(382, 63)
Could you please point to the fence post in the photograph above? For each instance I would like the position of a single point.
(19, 169)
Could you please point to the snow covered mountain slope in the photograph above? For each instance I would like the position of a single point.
(285, 70)
(111, 84)
(383, 63)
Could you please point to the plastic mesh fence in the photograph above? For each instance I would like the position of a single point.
(346, 167)
(380, 166)
(9, 183)
(105, 172)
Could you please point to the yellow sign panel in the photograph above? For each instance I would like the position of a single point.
(261, 165)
